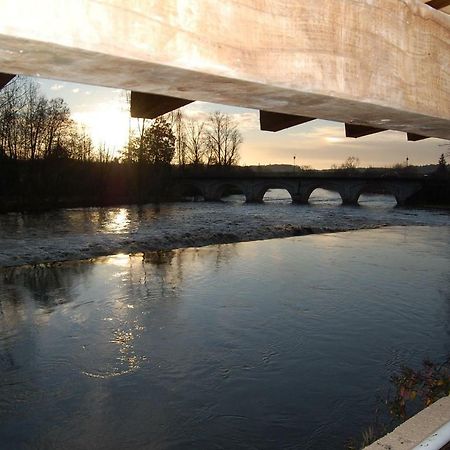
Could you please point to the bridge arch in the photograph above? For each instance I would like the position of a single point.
(348, 192)
(379, 189)
(189, 191)
(400, 191)
(260, 191)
(217, 191)
(312, 192)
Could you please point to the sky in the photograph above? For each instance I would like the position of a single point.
(104, 112)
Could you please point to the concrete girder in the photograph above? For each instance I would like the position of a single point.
(270, 121)
(5, 78)
(415, 137)
(438, 4)
(356, 131)
(379, 63)
(150, 106)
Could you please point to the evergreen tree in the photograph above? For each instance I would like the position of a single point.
(155, 144)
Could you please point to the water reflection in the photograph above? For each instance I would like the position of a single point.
(49, 285)
(117, 221)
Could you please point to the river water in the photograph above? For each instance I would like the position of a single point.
(281, 343)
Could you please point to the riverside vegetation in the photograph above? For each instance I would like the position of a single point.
(412, 390)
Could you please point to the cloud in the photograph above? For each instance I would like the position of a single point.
(57, 87)
(76, 90)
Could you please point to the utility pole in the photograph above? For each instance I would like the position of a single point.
(294, 164)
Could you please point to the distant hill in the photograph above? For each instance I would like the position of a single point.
(286, 168)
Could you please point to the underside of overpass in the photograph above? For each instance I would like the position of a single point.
(374, 65)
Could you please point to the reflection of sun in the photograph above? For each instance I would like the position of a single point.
(121, 260)
(118, 221)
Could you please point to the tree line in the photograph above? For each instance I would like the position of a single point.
(48, 160)
(176, 139)
(33, 127)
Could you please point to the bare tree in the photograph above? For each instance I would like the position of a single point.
(195, 142)
(352, 162)
(31, 126)
(12, 101)
(223, 140)
(57, 122)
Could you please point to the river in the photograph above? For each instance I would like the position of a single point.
(81, 233)
(280, 343)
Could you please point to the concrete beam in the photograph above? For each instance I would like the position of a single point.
(415, 137)
(356, 131)
(380, 63)
(150, 106)
(5, 78)
(270, 121)
(438, 4)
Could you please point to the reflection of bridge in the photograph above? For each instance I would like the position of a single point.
(212, 188)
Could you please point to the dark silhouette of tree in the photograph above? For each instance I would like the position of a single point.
(223, 140)
(179, 131)
(195, 142)
(352, 162)
(31, 126)
(155, 145)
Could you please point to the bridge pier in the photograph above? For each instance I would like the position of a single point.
(403, 192)
(253, 199)
(301, 198)
(350, 193)
(350, 200)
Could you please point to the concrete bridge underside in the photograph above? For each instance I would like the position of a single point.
(299, 189)
(381, 64)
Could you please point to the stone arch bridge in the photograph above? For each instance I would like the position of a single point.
(212, 188)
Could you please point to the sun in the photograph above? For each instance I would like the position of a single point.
(106, 126)
(333, 139)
